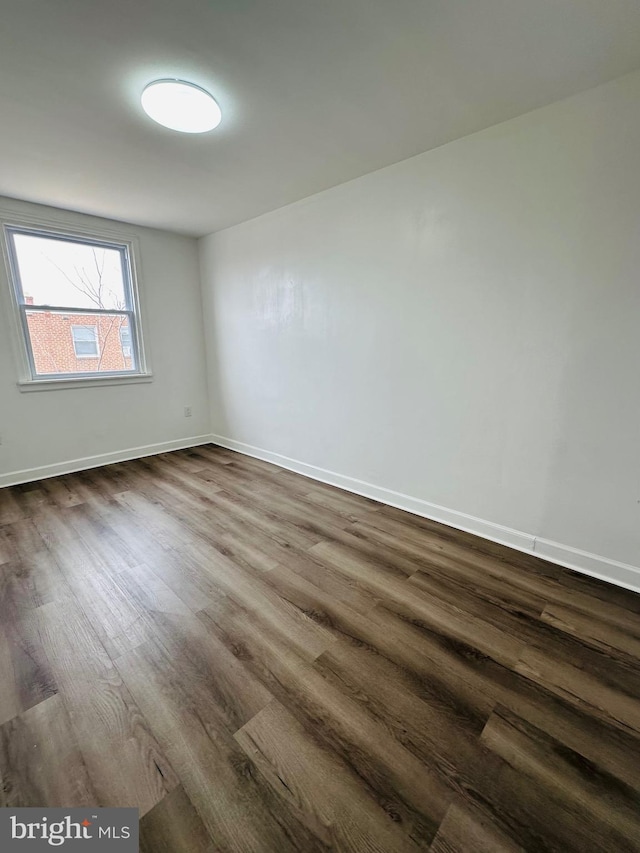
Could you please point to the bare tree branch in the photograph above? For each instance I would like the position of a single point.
(94, 291)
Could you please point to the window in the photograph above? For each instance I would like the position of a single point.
(77, 304)
(85, 341)
(125, 341)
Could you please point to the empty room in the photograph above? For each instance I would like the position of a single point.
(320, 426)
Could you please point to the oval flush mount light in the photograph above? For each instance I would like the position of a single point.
(181, 106)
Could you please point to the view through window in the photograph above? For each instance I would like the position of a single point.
(76, 303)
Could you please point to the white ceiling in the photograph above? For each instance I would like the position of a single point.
(313, 92)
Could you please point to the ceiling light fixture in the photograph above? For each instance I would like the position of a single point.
(181, 106)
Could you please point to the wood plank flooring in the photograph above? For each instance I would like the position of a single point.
(260, 662)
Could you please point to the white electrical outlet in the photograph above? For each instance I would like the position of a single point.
(187, 411)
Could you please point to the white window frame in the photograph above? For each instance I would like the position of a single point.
(127, 245)
(96, 340)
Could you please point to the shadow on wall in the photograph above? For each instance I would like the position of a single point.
(595, 460)
(218, 402)
(592, 498)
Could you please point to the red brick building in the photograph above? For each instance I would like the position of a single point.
(79, 343)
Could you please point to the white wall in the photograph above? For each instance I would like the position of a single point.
(50, 430)
(462, 328)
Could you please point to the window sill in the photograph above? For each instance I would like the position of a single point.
(82, 382)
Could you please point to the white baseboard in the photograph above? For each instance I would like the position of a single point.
(27, 475)
(594, 565)
(603, 568)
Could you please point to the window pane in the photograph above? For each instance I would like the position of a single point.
(60, 272)
(84, 334)
(125, 340)
(64, 342)
(85, 341)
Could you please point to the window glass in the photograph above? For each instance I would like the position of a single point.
(85, 341)
(75, 298)
(59, 272)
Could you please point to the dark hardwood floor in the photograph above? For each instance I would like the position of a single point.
(260, 662)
